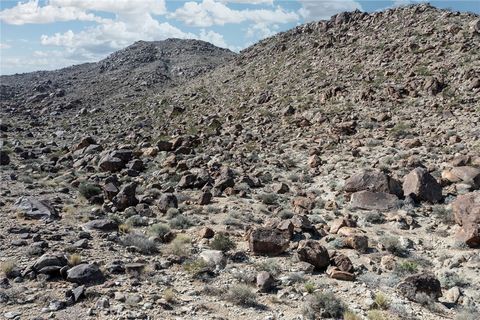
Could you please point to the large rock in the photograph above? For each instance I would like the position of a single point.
(85, 274)
(4, 158)
(214, 258)
(126, 197)
(111, 164)
(314, 253)
(167, 201)
(466, 210)
(374, 181)
(105, 225)
(33, 208)
(421, 186)
(48, 262)
(266, 241)
(470, 175)
(374, 200)
(421, 283)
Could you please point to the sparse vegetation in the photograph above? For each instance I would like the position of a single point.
(222, 242)
(7, 268)
(140, 242)
(159, 230)
(324, 303)
(88, 190)
(392, 244)
(241, 294)
(74, 259)
(381, 301)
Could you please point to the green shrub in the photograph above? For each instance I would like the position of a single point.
(381, 301)
(159, 230)
(88, 190)
(181, 221)
(241, 294)
(406, 267)
(392, 244)
(325, 304)
(268, 198)
(222, 242)
(140, 242)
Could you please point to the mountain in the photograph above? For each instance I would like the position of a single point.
(330, 171)
(126, 75)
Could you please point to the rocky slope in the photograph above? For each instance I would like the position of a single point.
(124, 76)
(331, 171)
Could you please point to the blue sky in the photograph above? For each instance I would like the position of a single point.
(50, 34)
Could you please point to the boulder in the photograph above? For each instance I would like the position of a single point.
(85, 274)
(167, 201)
(49, 260)
(314, 253)
(33, 208)
(369, 200)
(266, 241)
(421, 186)
(421, 283)
(357, 242)
(265, 281)
(373, 180)
(126, 197)
(466, 210)
(105, 225)
(4, 158)
(470, 175)
(214, 258)
(111, 164)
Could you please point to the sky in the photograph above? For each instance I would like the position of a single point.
(51, 34)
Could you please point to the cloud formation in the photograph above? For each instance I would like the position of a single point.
(210, 12)
(320, 10)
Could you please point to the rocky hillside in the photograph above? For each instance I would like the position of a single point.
(328, 172)
(125, 76)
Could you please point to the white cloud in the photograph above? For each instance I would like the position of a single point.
(261, 30)
(31, 12)
(319, 10)
(211, 12)
(4, 46)
(213, 37)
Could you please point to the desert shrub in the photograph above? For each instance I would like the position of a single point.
(136, 221)
(377, 315)
(159, 229)
(381, 301)
(88, 190)
(452, 279)
(467, 314)
(285, 214)
(124, 228)
(324, 304)
(181, 221)
(268, 198)
(406, 267)
(350, 315)
(8, 268)
(140, 242)
(74, 259)
(169, 295)
(172, 213)
(375, 217)
(309, 287)
(443, 214)
(269, 265)
(401, 129)
(180, 245)
(194, 267)
(212, 290)
(241, 294)
(222, 242)
(392, 244)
